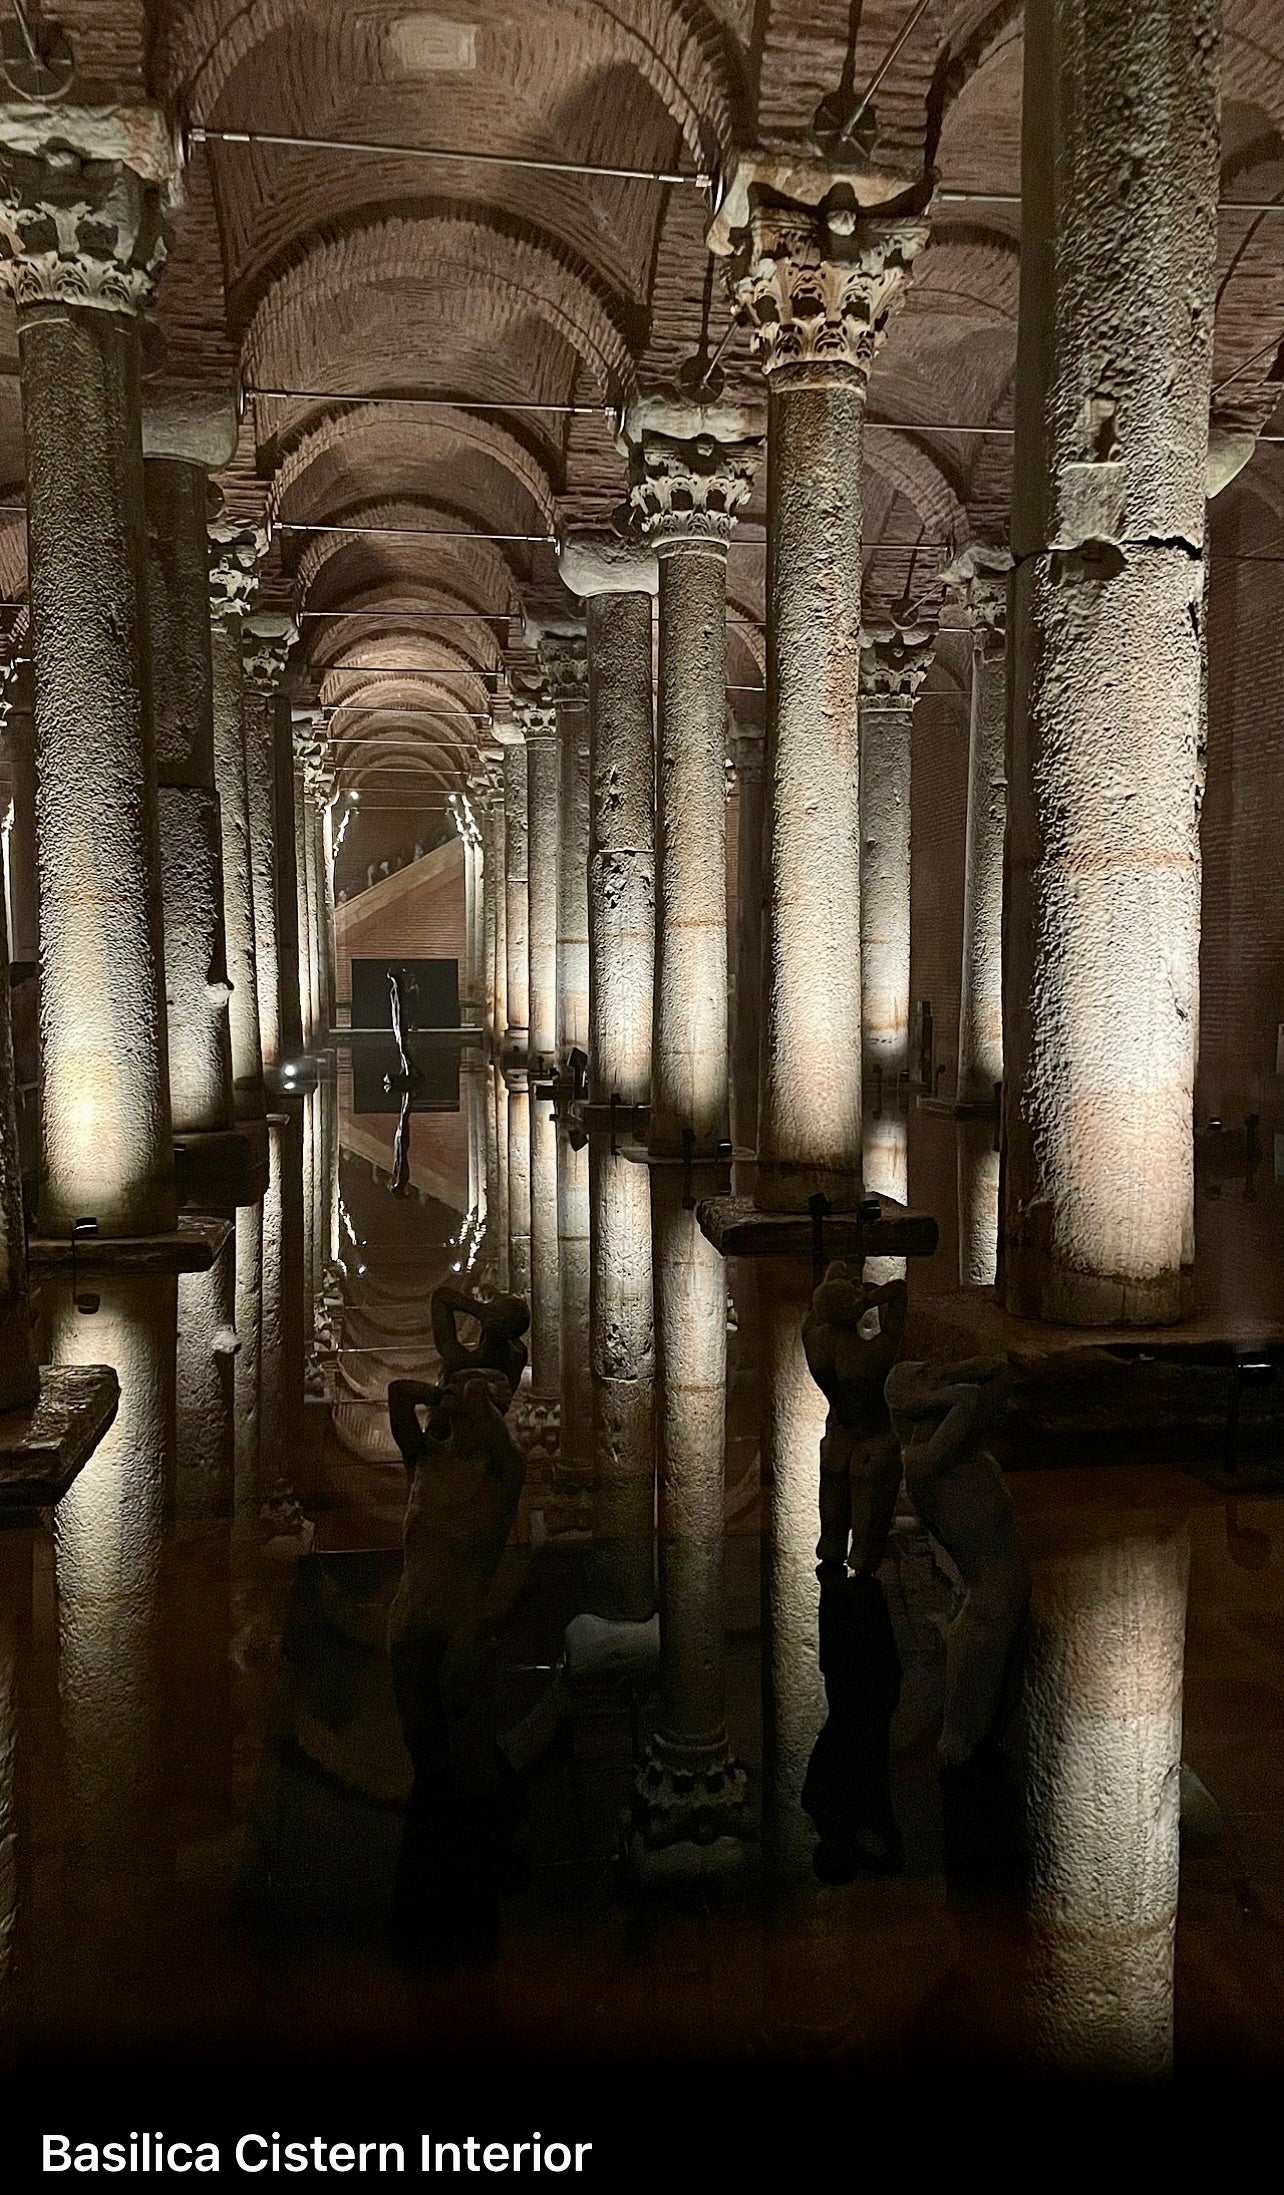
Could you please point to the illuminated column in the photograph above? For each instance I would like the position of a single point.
(234, 555)
(19, 1380)
(747, 754)
(894, 664)
(313, 895)
(563, 659)
(492, 897)
(984, 587)
(187, 435)
(284, 782)
(497, 1212)
(325, 880)
(516, 905)
(616, 579)
(204, 1468)
(689, 1785)
(519, 1188)
(468, 811)
(1103, 1710)
(21, 868)
(622, 1364)
(1112, 397)
(576, 1455)
(497, 890)
(545, 1295)
(248, 1365)
(82, 200)
(266, 641)
(538, 719)
(819, 275)
(309, 749)
(692, 468)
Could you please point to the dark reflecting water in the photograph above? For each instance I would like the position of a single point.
(690, 1809)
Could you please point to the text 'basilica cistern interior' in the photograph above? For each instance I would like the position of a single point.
(642, 1058)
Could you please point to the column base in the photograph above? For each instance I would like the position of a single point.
(537, 1426)
(738, 1229)
(223, 1168)
(606, 1649)
(44, 1446)
(196, 1244)
(688, 1796)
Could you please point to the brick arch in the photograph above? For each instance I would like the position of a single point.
(475, 568)
(360, 434)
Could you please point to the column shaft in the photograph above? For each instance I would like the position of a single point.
(19, 1383)
(238, 876)
(572, 881)
(746, 1034)
(1108, 533)
(516, 904)
(885, 748)
(543, 855)
(622, 1361)
(621, 865)
(689, 1082)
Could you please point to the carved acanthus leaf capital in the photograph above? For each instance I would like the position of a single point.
(266, 641)
(536, 715)
(563, 659)
(819, 279)
(84, 196)
(689, 489)
(236, 552)
(894, 661)
(979, 577)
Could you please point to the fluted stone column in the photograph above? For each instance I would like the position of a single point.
(1119, 188)
(563, 656)
(690, 1787)
(616, 580)
(692, 469)
(819, 273)
(746, 1032)
(266, 641)
(516, 903)
(234, 556)
(894, 664)
(982, 578)
(187, 434)
(82, 201)
(538, 719)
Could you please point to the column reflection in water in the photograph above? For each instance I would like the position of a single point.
(546, 1324)
(1103, 1711)
(207, 1345)
(622, 1361)
(690, 1788)
(248, 1375)
(519, 1188)
(576, 1446)
(793, 1426)
(16, 1559)
(108, 1538)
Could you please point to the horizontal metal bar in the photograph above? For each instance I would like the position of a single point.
(198, 134)
(1013, 198)
(425, 403)
(408, 533)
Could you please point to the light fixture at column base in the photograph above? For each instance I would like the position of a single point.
(45, 1445)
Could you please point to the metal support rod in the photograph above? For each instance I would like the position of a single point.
(424, 403)
(198, 134)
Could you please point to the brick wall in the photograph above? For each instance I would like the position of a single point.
(418, 914)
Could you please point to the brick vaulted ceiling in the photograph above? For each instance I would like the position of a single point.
(493, 286)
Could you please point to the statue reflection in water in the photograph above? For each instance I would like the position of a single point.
(466, 1476)
(922, 1425)
(407, 1080)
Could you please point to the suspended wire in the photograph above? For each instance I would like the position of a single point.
(425, 403)
(408, 533)
(898, 43)
(198, 134)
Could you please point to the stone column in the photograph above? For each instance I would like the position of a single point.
(692, 468)
(894, 664)
(308, 748)
(746, 1033)
(690, 1787)
(492, 880)
(516, 903)
(187, 434)
(622, 1364)
(545, 1290)
(616, 579)
(19, 1379)
(467, 813)
(325, 880)
(519, 1188)
(793, 1425)
(234, 556)
(563, 656)
(576, 1454)
(819, 273)
(287, 882)
(82, 200)
(1115, 336)
(19, 722)
(538, 719)
(497, 900)
(266, 641)
(1103, 1711)
(982, 577)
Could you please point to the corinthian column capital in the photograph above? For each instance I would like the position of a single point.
(266, 641)
(536, 715)
(691, 467)
(978, 576)
(894, 661)
(563, 659)
(818, 261)
(236, 551)
(84, 195)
